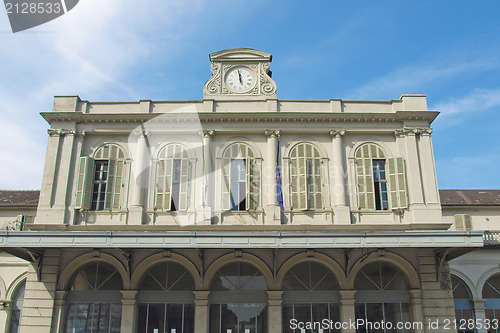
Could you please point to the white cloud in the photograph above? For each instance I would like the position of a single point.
(477, 100)
(411, 79)
(88, 51)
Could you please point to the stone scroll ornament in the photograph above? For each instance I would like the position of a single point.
(26, 14)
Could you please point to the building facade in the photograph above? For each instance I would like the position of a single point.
(241, 213)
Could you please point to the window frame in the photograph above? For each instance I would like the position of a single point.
(306, 174)
(165, 184)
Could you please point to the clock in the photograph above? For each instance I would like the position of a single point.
(240, 79)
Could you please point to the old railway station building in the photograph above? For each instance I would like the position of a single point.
(243, 213)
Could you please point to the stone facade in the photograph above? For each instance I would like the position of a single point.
(250, 209)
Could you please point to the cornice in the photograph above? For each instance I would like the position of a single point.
(250, 117)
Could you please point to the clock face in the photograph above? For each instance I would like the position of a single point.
(240, 80)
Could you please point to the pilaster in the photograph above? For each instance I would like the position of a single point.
(338, 179)
(480, 311)
(417, 308)
(59, 312)
(207, 182)
(38, 306)
(129, 311)
(201, 311)
(347, 309)
(414, 176)
(271, 206)
(274, 316)
(136, 214)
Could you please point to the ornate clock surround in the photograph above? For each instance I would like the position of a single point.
(256, 61)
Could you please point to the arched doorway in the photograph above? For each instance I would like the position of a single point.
(94, 299)
(310, 294)
(17, 308)
(462, 299)
(166, 300)
(238, 299)
(491, 295)
(382, 294)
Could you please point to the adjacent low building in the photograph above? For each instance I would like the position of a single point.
(243, 213)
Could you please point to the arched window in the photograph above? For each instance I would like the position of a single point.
(382, 294)
(241, 173)
(100, 179)
(238, 299)
(94, 299)
(305, 178)
(17, 308)
(166, 299)
(173, 179)
(491, 294)
(381, 181)
(462, 298)
(310, 294)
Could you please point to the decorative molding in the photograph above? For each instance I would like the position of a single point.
(213, 85)
(400, 133)
(61, 132)
(272, 133)
(256, 61)
(208, 133)
(337, 133)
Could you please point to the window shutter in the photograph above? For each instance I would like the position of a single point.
(302, 182)
(118, 185)
(84, 183)
(397, 183)
(366, 192)
(463, 222)
(110, 184)
(167, 185)
(252, 175)
(183, 194)
(226, 175)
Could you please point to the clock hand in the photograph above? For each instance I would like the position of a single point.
(239, 75)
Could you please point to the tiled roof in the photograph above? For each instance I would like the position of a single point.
(470, 197)
(19, 198)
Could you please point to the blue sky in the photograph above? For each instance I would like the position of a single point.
(105, 50)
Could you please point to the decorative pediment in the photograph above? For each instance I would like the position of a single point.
(240, 54)
(240, 73)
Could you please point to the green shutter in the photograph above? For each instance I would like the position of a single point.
(226, 175)
(167, 185)
(183, 190)
(364, 177)
(84, 183)
(397, 183)
(253, 180)
(110, 182)
(160, 185)
(302, 179)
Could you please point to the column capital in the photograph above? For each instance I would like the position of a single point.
(401, 133)
(207, 133)
(346, 295)
(274, 294)
(129, 294)
(272, 133)
(424, 131)
(5, 304)
(479, 304)
(61, 132)
(140, 133)
(416, 294)
(201, 294)
(337, 133)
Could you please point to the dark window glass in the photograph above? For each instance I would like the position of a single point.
(380, 185)
(99, 185)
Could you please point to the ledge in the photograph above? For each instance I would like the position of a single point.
(242, 239)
